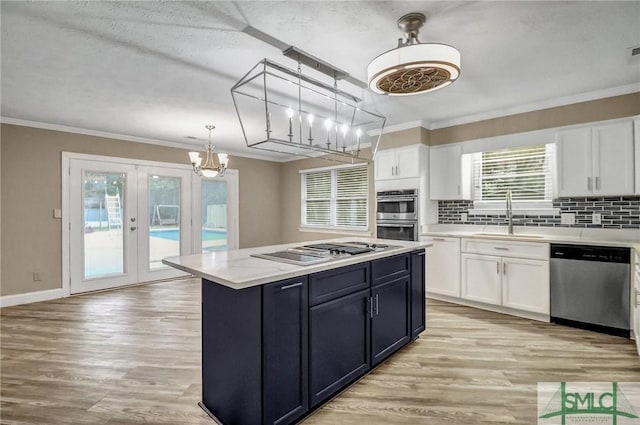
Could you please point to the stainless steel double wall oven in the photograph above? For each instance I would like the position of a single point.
(397, 214)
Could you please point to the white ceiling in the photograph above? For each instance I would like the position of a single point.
(162, 70)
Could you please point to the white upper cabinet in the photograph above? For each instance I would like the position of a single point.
(385, 163)
(446, 179)
(400, 163)
(596, 161)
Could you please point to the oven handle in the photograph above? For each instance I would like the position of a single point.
(396, 225)
(410, 198)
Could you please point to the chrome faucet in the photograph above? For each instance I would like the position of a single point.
(509, 212)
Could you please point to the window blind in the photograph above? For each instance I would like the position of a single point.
(318, 198)
(526, 171)
(336, 197)
(352, 190)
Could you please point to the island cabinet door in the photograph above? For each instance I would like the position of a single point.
(285, 351)
(390, 326)
(418, 319)
(339, 344)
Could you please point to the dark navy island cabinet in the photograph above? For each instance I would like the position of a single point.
(271, 354)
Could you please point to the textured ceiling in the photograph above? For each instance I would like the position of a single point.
(162, 70)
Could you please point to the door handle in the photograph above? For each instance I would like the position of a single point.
(293, 285)
(133, 228)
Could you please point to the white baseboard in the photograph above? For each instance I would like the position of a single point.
(30, 297)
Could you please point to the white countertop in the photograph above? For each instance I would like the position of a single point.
(603, 237)
(237, 269)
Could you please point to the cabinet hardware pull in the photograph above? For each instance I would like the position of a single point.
(377, 311)
(598, 182)
(133, 228)
(422, 254)
(500, 248)
(371, 307)
(458, 189)
(504, 268)
(498, 267)
(589, 183)
(438, 239)
(293, 285)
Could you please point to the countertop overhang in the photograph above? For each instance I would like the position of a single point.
(237, 269)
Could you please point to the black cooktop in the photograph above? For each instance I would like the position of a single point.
(340, 248)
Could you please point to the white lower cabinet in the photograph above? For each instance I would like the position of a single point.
(443, 266)
(481, 278)
(508, 279)
(525, 284)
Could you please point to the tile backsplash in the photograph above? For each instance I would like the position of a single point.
(617, 212)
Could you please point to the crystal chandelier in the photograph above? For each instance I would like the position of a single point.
(208, 167)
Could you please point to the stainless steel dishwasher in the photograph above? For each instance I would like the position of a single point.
(590, 287)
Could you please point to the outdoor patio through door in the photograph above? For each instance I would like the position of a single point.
(124, 218)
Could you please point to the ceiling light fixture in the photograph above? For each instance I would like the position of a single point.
(413, 67)
(208, 168)
(288, 111)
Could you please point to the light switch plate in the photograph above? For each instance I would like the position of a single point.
(568, 218)
(596, 218)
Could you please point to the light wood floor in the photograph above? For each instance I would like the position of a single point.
(132, 356)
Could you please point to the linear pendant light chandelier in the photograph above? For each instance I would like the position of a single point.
(213, 165)
(287, 111)
(413, 67)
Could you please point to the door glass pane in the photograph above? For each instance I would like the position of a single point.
(103, 201)
(164, 219)
(214, 215)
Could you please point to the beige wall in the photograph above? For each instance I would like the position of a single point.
(32, 188)
(407, 137)
(577, 113)
(269, 191)
(290, 181)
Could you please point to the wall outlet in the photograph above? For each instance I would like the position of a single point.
(596, 218)
(568, 218)
(57, 213)
(464, 217)
(36, 277)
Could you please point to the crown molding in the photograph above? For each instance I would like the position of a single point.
(536, 106)
(125, 137)
(403, 126)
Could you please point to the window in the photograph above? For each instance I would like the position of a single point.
(336, 198)
(526, 171)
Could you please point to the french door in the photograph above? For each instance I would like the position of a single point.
(123, 219)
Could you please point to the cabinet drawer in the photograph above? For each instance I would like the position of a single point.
(390, 268)
(533, 250)
(331, 284)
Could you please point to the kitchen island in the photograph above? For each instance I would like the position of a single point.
(279, 340)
